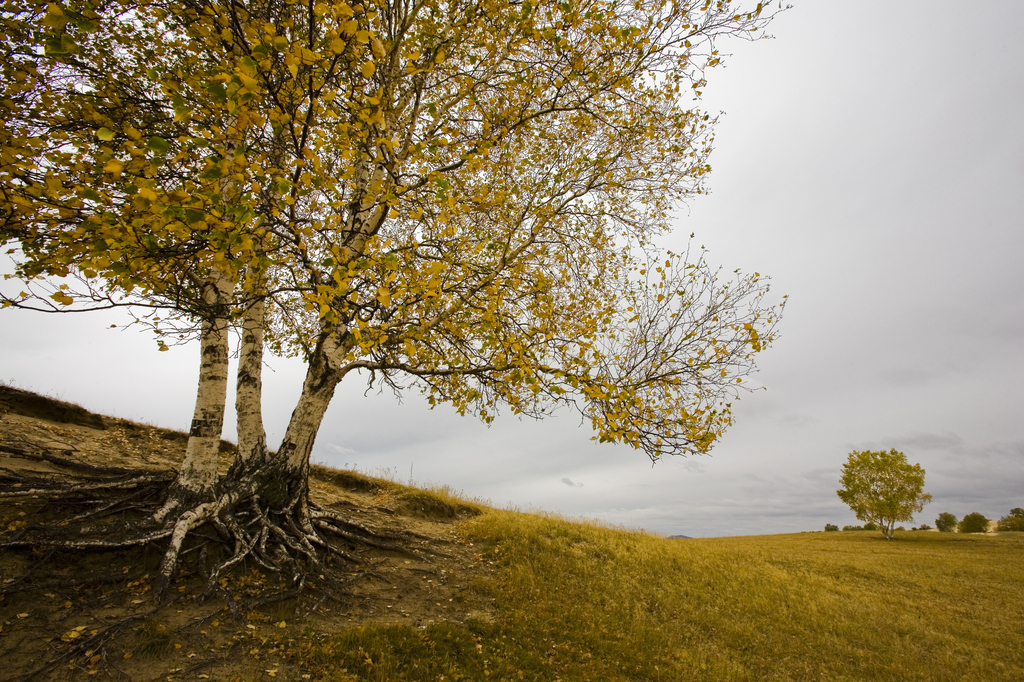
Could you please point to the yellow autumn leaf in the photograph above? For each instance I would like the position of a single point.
(113, 167)
(367, 69)
(249, 82)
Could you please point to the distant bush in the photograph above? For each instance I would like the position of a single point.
(946, 522)
(1012, 521)
(973, 523)
(924, 526)
(866, 526)
(829, 527)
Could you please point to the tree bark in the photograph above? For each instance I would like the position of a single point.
(198, 474)
(252, 437)
(290, 464)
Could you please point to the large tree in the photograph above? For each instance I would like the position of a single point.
(465, 196)
(883, 488)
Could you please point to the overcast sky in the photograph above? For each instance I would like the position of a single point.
(871, 160)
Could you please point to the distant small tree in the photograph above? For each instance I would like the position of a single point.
(829, 527)
(973, 523)
(1012, 521)
(946, 523)
(924, 526)
(883, 488)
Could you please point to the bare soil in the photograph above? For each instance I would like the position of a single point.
(85, 615)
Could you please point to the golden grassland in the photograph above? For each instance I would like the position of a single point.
(579, 601)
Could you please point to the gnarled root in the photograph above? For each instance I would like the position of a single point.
(77, 506)
(257, 541)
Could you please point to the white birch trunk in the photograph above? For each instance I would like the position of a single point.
(252, 438)
(322, 377)
(198, 473)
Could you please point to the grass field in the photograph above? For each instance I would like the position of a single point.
(577, 601)
(503, 595)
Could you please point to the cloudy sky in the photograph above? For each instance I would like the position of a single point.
(871, 160)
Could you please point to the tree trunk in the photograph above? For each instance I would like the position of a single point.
(289, 483)
(252, 438)
(198, 474)
(270, 490)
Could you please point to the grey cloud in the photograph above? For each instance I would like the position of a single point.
(907, 443)
(695, 467)
(569, 482)
(965, 477)
(797, 420)
(822, 474)
(930, 441)
(906, 376)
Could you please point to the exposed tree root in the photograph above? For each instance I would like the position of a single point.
(86, 507)
(85, 549)
(58, 511)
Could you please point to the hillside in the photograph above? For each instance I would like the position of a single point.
(487, 594)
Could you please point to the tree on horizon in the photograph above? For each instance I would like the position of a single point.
(883, 488)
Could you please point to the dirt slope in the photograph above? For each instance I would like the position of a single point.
(78, 615)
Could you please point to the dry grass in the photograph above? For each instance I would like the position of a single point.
(578, 601)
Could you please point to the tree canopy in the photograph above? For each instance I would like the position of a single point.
(975, 522)
(463, 195)
(1014, 521)
(883, 488)
(946, 522)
